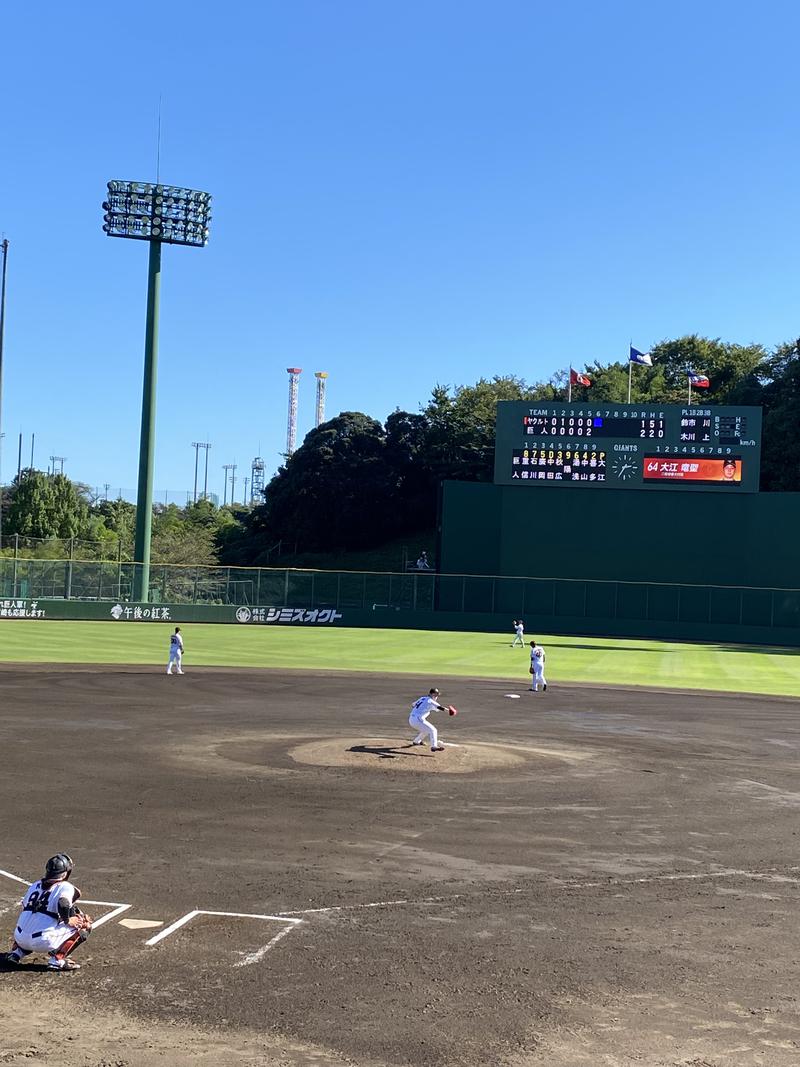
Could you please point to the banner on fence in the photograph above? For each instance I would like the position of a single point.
(21, 609)
(287, 615)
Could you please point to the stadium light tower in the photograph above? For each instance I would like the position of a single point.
(159, 214)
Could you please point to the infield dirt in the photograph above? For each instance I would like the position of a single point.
(593, 876)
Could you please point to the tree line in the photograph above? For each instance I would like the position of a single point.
(55, 517)
(356, 482)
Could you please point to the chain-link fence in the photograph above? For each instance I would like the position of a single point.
(419, 591)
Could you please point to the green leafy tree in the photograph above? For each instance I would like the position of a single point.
(333, 491)
(46, 506)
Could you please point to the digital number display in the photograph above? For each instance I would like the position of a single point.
(629, 446)
(560, 464)
(593, 426)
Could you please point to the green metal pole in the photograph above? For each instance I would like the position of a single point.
(144, 499)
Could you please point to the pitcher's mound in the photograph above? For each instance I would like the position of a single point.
(399, 754)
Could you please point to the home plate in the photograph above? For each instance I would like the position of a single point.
(513, 696)
(140, 924)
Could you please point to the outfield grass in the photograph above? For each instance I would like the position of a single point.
(430, 654)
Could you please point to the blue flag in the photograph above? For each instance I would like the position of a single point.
(640, 357)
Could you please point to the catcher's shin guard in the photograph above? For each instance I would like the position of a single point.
(71, 944)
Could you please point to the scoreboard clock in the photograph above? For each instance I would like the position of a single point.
(628, 446)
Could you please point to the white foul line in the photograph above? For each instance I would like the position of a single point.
(377, 904)
(118, 910)
(14, 878)
(226, 914)
(171, 929)
(255, 957)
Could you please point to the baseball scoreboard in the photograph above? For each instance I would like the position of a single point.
(628, 446)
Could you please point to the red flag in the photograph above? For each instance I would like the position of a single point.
(699, 381)
(576, 378)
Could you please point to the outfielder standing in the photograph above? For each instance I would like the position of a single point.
(175, 651)
(537, 667)
(420, 710)
(50, 920)
(519, 633)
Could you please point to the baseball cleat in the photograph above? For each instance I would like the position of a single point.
(544, 687)
(437, 748)
(54, 964)
(12, 959)
(417, 743)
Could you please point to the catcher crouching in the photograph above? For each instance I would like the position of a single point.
(51, 921)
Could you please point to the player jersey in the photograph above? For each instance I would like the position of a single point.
(40, 905)
(519, 630)
(424, 705)
(537, 657)
(175, 643)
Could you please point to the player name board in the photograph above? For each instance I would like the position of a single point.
(628, 446)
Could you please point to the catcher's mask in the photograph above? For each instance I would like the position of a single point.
(58, 867)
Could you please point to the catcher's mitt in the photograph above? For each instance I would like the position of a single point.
(452, 710)
(79, 920)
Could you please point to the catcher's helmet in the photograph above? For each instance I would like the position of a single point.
(59, 866)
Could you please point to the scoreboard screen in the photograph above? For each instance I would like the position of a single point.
(629, 446)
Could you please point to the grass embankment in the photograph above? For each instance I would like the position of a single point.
(425, 654)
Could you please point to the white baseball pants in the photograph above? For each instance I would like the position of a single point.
(421, 723)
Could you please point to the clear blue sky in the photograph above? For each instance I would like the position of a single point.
(405, 193)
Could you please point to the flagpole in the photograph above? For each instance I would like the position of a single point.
(569, 389)
(630, 373)
(690, 391)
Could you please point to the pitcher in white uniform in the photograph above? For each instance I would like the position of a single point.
(420, 710)
(175, 651)
(50, 920)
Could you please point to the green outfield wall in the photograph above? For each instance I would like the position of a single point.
(625, 563)
(621, 535)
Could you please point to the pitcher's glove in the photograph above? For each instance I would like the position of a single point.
(452, 710)
(79, 920)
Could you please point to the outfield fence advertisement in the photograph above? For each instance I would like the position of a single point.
(423, 601)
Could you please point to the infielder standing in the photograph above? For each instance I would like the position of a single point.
(420, 710)
(537, 667)
(50, 920)
(175, 651)
(519, 633)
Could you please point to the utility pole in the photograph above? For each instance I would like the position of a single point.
(197, 445)
(227, 467)
(206, 446)
(106, 487)
(233, 482)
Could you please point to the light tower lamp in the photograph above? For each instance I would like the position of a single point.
(159, 214)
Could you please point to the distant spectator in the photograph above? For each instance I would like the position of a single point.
(422, 562)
